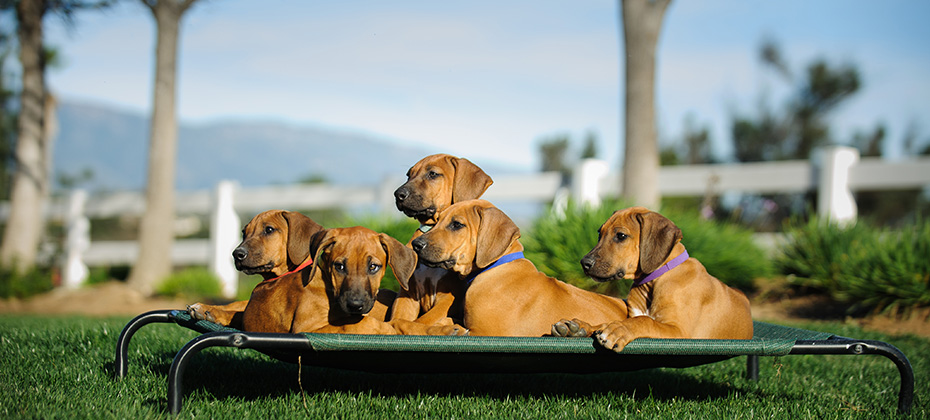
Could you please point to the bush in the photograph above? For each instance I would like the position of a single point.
(21, 285)
(195, 283)
(556, 245)
(869, 268)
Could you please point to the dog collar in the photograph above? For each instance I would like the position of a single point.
(675, 262)
(501, 261)
(424, 228)
(302, 266)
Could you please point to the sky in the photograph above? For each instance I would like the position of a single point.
(489, 80)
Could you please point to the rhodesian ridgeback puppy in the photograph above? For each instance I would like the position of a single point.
(506, 295)
(340, 288)
(672, 296)
(274, 243)
(433, 296)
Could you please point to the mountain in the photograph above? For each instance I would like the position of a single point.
(113, 145)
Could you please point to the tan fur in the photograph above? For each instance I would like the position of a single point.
(513, 299)
(685, 302)
(433, 296)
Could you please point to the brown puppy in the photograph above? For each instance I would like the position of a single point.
(434, 296)
(475, 239)
(341, 285)
(673, 296)
(274, 242)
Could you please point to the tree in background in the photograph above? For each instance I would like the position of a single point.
(7, 117)
(156, 229)
(642, 23)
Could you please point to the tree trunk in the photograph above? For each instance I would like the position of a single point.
(642, 23)
(156, 230)
(31, 180)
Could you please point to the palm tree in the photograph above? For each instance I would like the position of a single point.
(642, 23)
(156, 230)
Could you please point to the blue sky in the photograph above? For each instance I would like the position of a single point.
(486, 79)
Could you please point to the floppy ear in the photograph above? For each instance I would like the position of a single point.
(495, 234)
(401, 259)
(319, 242)
(299, 230)
(657, 237)
(469, 181)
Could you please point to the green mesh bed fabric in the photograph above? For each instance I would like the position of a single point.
(768, 340)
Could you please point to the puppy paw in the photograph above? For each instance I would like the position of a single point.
(614, 336)
(200, 311)
(450, 330)
(566, 328)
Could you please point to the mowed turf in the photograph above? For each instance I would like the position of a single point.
(61, 367)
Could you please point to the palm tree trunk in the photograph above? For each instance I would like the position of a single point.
(642, 23)
(31, 180)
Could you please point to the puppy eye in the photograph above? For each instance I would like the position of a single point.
(432, 175)
(269, 230)
(620, 237)
(373, 268)
(456, 225)
(339, 266)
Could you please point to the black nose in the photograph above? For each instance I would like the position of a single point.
(418, 244)
(240, 253)
(401, 194)
(587, 262)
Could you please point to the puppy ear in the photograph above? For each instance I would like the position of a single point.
(401, 259)
(299, 230)
(319, 242)
(469, 181)
(658, 235)
(495, 234)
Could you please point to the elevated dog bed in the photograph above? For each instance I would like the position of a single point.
(502, 354)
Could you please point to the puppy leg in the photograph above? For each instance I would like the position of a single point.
(224, 315)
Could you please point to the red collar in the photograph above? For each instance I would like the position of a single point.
(302, 266)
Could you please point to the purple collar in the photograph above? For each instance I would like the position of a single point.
(502, 260)
(675, 262)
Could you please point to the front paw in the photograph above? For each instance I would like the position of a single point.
(566, 328)
(614, 336)
(200, 311)
(450, 330)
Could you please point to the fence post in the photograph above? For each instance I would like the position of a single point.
(77, 240)
(835, 201)
(225, 229)
(586, 181)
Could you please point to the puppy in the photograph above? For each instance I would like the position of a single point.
(673, 296)
(433, 296)
(506, 295)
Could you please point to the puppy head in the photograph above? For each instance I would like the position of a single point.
(469, 235)
(631, 243)
(351, 263)
(274, 242)
(436, 182)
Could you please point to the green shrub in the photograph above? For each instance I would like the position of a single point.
(191, 283)
(14, 283)
(556, 245)
(869, 268)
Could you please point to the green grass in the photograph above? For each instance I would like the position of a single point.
(61, 367)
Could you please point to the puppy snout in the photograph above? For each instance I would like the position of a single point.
(401, 194)
(240, 253)
(418, 244)
(356, 303)
(587, 262)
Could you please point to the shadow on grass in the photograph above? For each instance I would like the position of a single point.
(250, 376)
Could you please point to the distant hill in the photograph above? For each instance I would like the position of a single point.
(113, 144)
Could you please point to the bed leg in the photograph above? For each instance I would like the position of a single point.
(121, 363)
(176, 372)
(752, 367)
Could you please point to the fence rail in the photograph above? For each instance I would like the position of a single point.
(834, 173)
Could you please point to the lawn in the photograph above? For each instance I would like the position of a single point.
(61, 367)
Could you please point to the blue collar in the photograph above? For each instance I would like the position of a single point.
(502, 260)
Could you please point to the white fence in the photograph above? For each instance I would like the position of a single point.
(835, 173)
